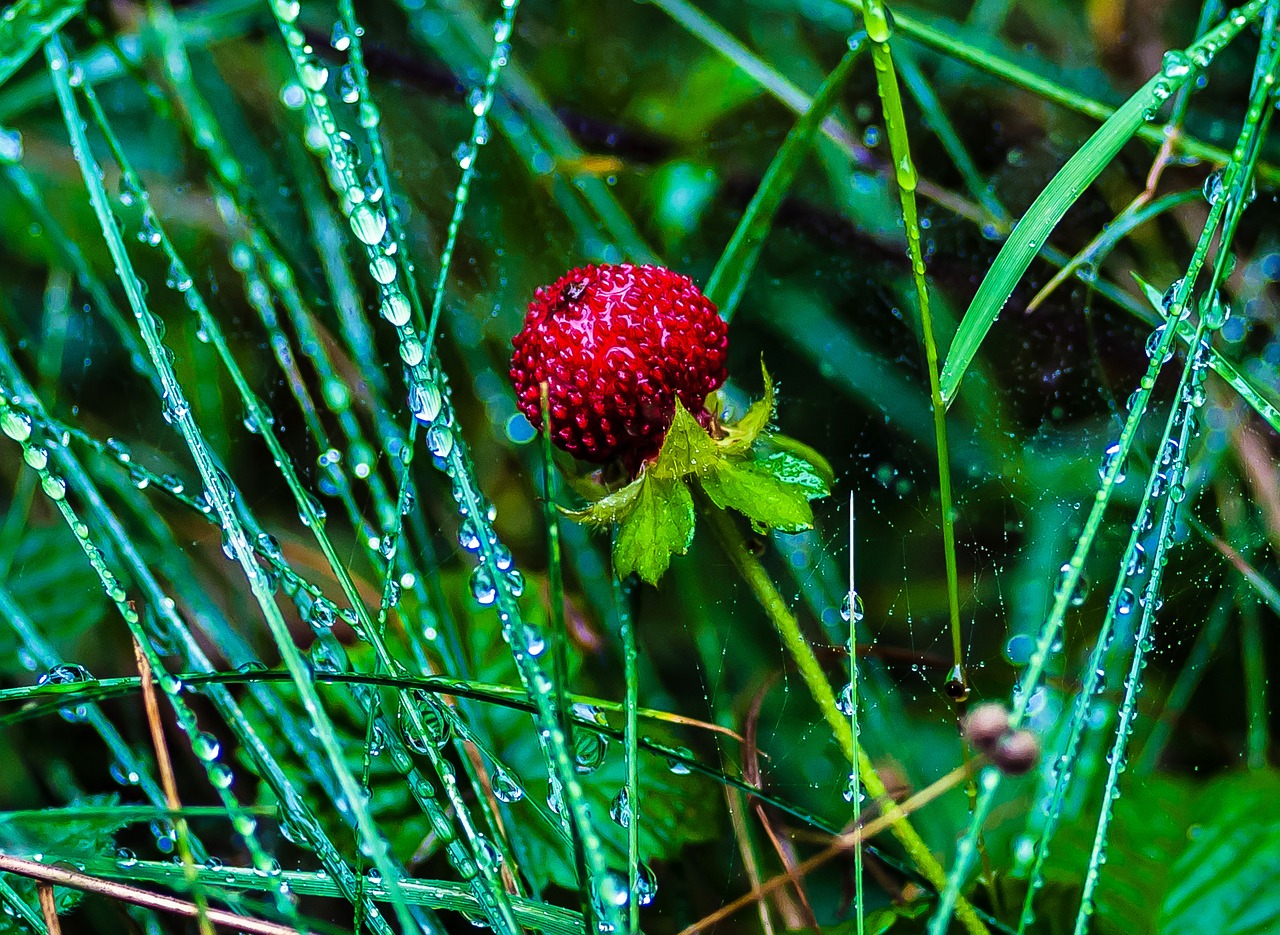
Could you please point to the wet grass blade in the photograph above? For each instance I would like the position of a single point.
(26, 26)
(733, 271)
(1065, 188)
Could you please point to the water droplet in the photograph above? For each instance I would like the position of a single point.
(368, 224)
(1081, 590)
(1111, 460)
(956, 686)
(425, 402)
(505, 787)
(206, 746)
(10, 146)
(620, 808)
(1214, 187)
(1213, 311)
(55, 487)
(1176, 64)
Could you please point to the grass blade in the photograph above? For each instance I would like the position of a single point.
(26, 26)
(1067, 186)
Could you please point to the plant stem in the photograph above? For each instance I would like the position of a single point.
(880, 32)
(160, 902)
(788, 628)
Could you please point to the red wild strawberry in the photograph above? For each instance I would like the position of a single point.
(617, 345)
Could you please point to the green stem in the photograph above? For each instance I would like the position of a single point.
(788, 628)
(880, 31)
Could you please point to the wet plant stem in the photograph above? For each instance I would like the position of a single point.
(160, 902)
(880, 31)
(170, 785)
(788, 627)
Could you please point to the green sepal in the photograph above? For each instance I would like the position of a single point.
(687, 449)
(744, 467)
(659, 525)
(740, 436)
(758, 495)
(613, 508)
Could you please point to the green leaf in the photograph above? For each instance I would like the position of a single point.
(687, 449)
(758, 495)
(800, 465)
(1148, 830)
(611, 509)
(26, 26)
(660, 525)
(1058, 196)
(740, 436)
(1225, 880)
(68, 838)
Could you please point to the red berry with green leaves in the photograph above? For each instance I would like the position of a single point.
(617, 345)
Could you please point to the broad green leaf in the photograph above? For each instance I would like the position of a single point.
(67, 839)
(1061, 193)
(660, 525)
(1148, 831)
(742, 434)
(1225, 880)
(25, 26)
(687, 449)
(58, 590)
(758, 495)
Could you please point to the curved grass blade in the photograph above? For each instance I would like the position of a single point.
(1067, 186)
(729, 279)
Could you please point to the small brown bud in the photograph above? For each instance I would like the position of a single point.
(985, 725)
(1016, 753)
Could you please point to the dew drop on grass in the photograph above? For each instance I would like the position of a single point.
(1214, 312)
(589, 750)
(844, 704)
(348, 89)
(679, 767)
(855, 614)
(483, 588)
(956, 686)
(1153, 345)
(425, 402)
(505, 787)
(368, 224)
(16, 425)
(10, 147)
(206, 746)
(620, 808)
(383, 269)
(611, 890)
(55, 487)
(396, 309)
(1214, 187)
(221, 776)
(440, 440)
(1081, 590)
